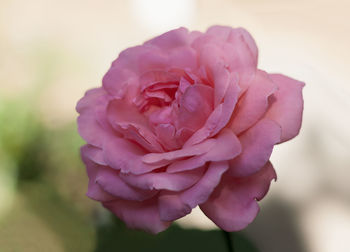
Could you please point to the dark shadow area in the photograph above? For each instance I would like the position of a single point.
(275, 229)
(116, 237)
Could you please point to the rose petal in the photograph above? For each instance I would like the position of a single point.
(201, 148)
(226, 147)
(94, 192)
(166, 136)
(221, 78)
(241, 45)
(200, 192)
(174, 206)
(254, 103)
(123, 155)
(126, 119)
(219, 117)
(89, 99)
(287, 105)
(140, 59)
(139, 215)
(171, 39)
(232, 206)
(95, 154)
(196, 105)
(110, 182)
(257, 144)
(163, 180)
(183, 57)
(153, 78)
(89, 127)
(90, 130)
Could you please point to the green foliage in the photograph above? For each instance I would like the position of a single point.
(116, 237)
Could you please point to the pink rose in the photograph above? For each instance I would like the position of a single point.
(186, 120)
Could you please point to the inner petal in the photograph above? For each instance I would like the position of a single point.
(196, 104)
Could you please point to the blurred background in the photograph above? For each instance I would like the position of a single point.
(53, 50)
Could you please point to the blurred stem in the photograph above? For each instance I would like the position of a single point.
(229, 240)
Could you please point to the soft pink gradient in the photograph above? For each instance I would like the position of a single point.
(186, 120)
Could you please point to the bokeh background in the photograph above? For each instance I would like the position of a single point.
(51, 51)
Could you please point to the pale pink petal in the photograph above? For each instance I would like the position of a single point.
(163, 180)
(183, 57)
(117, 80)
(160, 116)
(233, 204)
(140, 59)
(166, 136)
(126, 119)
(221, 78)
(89, 99)
(254, 103)
(287, 105)
(123, 155)
(89, 127)
(110, 182)
(200, 192)
(173, 206)
(90, 130)
(159, 95)
(94, 192)
(209, 56)
(196, 105)
(194, 150)
(95, 154)
(171, 39)
(241, 49)
(257, 144)
(182, 135)
(219, 117)
(153, 78)
(121, 111)
(138, 215)
(226, 147)
(220, 32)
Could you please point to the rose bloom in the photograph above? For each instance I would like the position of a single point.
(186, 120)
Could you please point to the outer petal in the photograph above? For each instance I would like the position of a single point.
(93, 153)
(89, 127)
(94, 190)
(241, 47)
(173, 206)
(109, 180)
(287, 105)
(117, 80)
(257, 144)
(140, 59)
(139, 215)
(123, 155)
(171, 39)
(232, 206)
(89, 99)
(254, 102)
(163, 180)
(105, 183)
(227, 147)
(198, 149)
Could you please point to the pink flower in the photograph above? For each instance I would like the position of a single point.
(186, 120)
